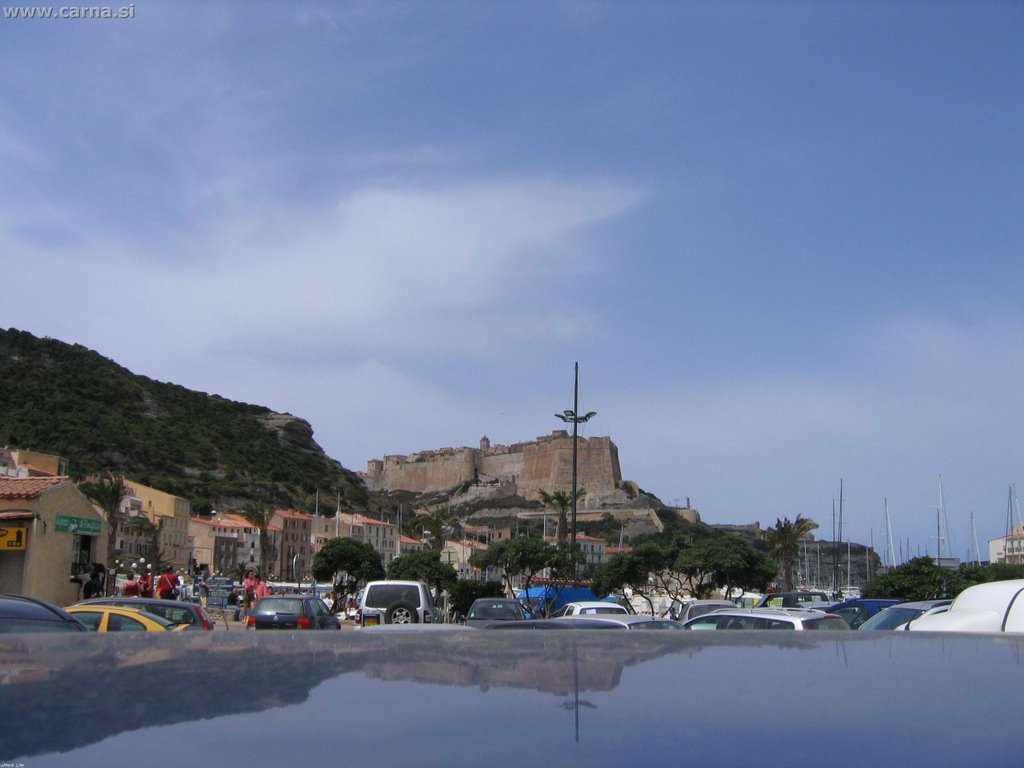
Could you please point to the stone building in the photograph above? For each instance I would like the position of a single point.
(50, 535)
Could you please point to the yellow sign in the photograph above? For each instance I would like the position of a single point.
(13, 538)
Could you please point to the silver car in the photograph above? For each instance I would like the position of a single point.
(800, 619)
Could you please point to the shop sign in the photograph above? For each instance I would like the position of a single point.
(83, 526)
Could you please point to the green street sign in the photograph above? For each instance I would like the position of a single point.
(83, 526)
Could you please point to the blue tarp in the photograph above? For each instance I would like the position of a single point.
(553, 598)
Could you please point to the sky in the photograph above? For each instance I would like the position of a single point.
(782, 240)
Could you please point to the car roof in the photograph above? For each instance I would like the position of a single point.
(621, 619)
(768, 685)
(14, 606)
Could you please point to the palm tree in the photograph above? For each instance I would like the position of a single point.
(260, 517)
(561, 502)
(784, 540)
(107, 494)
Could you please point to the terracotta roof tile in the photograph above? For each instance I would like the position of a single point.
(27, 487)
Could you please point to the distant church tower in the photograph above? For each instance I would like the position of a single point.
(485, 443)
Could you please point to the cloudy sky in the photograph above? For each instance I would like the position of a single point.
(783, 240)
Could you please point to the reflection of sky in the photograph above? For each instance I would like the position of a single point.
(931, 701)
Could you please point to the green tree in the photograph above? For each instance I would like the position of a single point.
(347, 563)
(561, 502)
(633, 570)
(426, 567)
(260, 516)
(917, 579)
(724, 561)
(784, 542)
(519, 558)
(107, 494)
(463, 593)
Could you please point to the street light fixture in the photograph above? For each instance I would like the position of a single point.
(570, 417)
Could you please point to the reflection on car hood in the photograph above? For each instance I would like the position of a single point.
(520, 698)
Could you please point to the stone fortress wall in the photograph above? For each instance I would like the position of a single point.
(542, 465)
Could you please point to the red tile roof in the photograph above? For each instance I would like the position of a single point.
(27, 487)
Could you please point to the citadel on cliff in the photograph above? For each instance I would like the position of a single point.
(544, 464)
(524, 470)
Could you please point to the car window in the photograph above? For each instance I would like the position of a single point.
(775, 624)
(32, 625)
(890, 618)
(91, 619)
(279, 605)
(706, 623)
(384, 595)
(826, 622)
(117, 623)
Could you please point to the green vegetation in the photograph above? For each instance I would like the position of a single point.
(69, 401)
(922, 579)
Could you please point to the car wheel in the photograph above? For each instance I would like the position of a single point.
(401, 613)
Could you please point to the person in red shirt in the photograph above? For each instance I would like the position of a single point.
(131, 587)
(146, 584)
(249, 589)
(167, 584)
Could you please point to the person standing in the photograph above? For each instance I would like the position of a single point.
(94, 586)
(146, 584)
(167, 584)
(249, 592)
(204, 590)
(131, 587)
(262, 589)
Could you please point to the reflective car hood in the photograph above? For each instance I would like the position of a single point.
(575, 697)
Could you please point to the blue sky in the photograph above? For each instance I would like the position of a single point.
(782, 239)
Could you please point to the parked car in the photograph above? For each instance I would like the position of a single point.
(900, 615)
(856, 612)
(114, 618)
(188, 615)
(808, 599)
(800, 619)
(590, 608)
(488, 609)
(997, 606)
(396, 602)
(593, 621)
(21, 613)
(291, 612)
(573, 698)
(696, 608)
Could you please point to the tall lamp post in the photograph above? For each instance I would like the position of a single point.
(570, 417)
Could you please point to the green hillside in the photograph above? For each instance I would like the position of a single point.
(68, 400)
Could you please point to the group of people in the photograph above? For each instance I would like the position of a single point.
(253, 588)
(166, 588)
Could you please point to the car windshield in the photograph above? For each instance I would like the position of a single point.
(890, 618)
(495, 612)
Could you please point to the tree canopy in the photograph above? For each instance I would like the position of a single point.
(519, 558)
(426, 567)
(347, 563)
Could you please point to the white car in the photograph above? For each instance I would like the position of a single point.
(589, 609)
(997, 606)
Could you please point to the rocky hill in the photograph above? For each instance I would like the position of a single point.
(70, 401)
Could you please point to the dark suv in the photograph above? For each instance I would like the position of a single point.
(396, 602)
